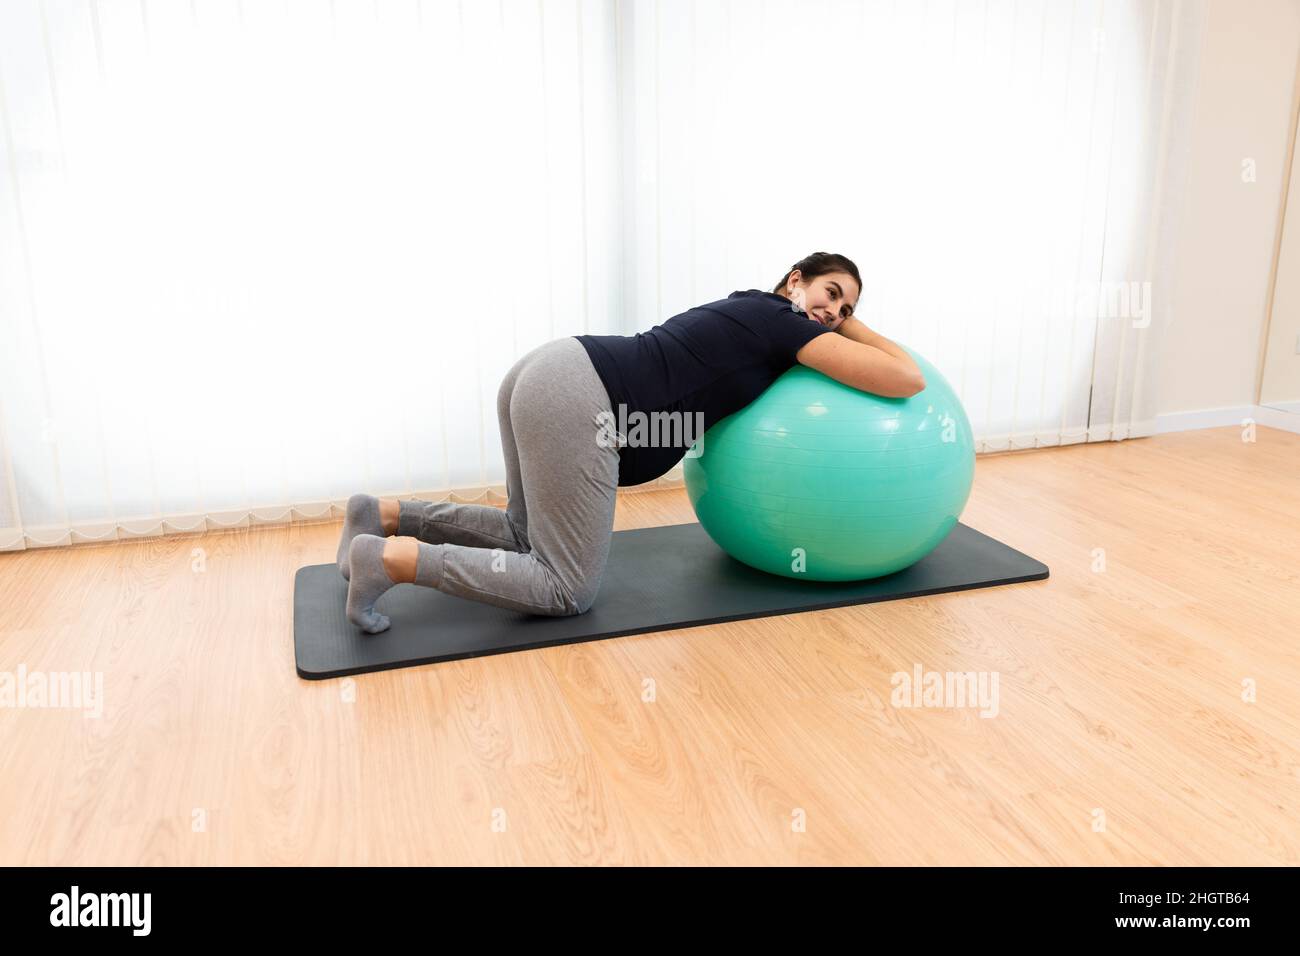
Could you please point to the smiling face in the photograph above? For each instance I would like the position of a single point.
(827, 299)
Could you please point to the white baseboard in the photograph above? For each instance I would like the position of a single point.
(1223, 417)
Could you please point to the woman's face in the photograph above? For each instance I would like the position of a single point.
(827, 300)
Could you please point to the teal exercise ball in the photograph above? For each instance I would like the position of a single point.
(816, 480)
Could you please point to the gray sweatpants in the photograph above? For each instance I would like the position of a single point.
(546, 553)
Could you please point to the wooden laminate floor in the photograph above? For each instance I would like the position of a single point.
(1126, 729)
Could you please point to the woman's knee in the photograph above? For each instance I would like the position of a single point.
(580, 599)
(566, 599)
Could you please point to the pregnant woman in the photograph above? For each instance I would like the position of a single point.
(546, 552)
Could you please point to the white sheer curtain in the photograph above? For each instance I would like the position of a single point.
(1005, 174)
(257, 256)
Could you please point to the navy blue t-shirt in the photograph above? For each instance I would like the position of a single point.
(714, 359)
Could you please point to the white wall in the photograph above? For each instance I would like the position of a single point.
(1210, 352)
(1281, 361)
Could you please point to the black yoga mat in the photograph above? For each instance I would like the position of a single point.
(657, 579)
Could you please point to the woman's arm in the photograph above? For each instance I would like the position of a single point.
(855, 329)
(862, 366)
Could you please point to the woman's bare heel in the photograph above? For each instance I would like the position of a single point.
(389, 509)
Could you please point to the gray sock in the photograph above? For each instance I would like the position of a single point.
(369, 580)
(362, 518)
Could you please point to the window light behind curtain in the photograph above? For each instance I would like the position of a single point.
(255, 257)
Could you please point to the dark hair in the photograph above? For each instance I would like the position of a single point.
(820, 264)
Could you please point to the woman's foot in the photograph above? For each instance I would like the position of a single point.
(366, 514)
(377, 564)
